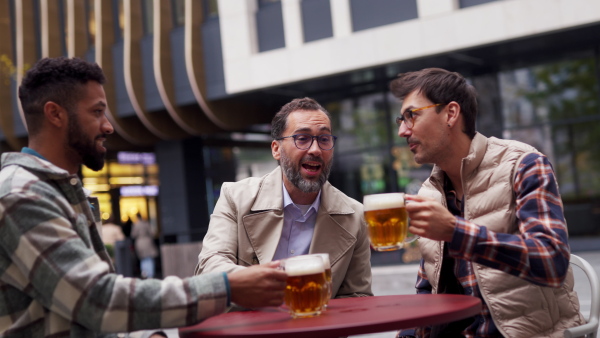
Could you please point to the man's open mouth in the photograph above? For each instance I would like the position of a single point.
(311, 167)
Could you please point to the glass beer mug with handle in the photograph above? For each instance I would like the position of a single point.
(305, 286)
(328, 278)
(387, 221)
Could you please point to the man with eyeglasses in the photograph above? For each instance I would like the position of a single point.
(490, 217)
(293, 210)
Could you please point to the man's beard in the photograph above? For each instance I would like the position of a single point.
(292, 172)
(90, 156)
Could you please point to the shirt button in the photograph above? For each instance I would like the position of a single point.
(73, 181)
(292, 252)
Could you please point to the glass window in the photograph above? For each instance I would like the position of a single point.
(211, 9)
(360, 123)
(316, 20)
(469, 3)
(374, 13)
(91, 20)
(119, 12)
(262, 3)
(269, 26)
(62, 9)
(370, 157)
(178, 13)
(148, 16)
(556, 108)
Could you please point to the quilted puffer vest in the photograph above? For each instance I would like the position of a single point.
(518, 308)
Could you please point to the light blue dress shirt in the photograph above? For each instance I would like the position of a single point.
(298, 227)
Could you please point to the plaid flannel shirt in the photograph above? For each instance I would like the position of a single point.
(56, 278)
(539, 254)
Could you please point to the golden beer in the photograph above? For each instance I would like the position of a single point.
(305, 286)
(387, 221)
(328, 275)
(327, 265)
(328, 284)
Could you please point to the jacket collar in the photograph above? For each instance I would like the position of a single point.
(34, 163)
(469, 163)
(475, 156)
(265, 222)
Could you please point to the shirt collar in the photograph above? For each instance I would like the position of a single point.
(287, 200)
(30, 151)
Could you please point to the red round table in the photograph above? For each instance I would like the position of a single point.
(344, 317)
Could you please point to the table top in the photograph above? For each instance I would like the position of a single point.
(343, 317)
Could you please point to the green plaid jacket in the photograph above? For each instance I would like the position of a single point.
(56, 279)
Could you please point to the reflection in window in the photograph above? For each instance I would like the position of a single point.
(90, 11)
(119, 11)
(178, 12)
(363, 122)
(371, 158)
(211, 9)
(148, 16)
(63, 15)
(555, 107)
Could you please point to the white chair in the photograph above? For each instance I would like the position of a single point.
(591, 327)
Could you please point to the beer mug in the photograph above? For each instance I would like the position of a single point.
(305, 286)
(328, 288)
(387, 221)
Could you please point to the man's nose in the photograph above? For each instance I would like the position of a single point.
(107, 127)
(403, 130)
(314, 148)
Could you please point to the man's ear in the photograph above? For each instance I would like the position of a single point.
(275, 149)
(453, 113)
(55, 114)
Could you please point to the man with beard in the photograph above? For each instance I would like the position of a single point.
(293, 210)
(56, 277)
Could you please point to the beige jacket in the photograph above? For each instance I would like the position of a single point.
(246, 225)
(518, 308)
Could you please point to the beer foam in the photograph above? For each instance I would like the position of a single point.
(325, 258)
(299, 266)
(383, 201)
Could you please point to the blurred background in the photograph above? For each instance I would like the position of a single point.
(192, 86)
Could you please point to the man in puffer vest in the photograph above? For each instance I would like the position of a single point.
(490, 217)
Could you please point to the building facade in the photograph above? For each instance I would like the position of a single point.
(195, 84)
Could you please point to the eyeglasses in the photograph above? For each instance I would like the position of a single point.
(409, 118)
(305, 141)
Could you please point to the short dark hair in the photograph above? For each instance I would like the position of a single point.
(279, 122)
(440, 86)
(59, 80)
(159, 333)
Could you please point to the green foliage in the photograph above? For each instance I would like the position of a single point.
(568, 92)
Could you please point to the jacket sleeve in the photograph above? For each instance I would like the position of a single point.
(219, 247)
(50, 263)
(357, 282)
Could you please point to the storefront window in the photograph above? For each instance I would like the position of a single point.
(370, 156)
(360, 123)
(132, 179)
(555, 108)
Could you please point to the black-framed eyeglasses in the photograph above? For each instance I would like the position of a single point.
(408, 116)
(305, 141)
